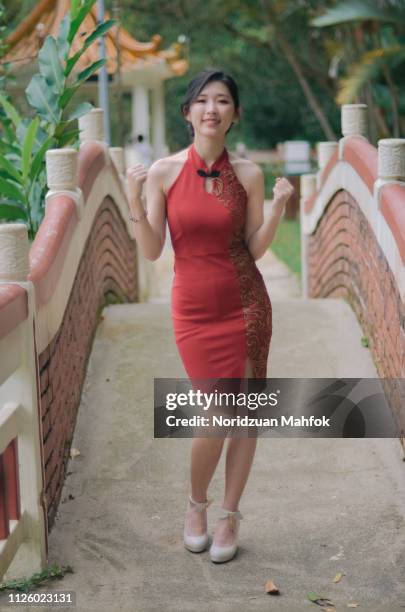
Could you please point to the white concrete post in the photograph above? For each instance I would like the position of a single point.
(91, 126)
(391, 164)
(354, 119)
(325, 150)
(14, 251)
(24, 551)
(158, 121)
(353, 123)
(140, 112)
(307, 189)
(62, 176)
(118, 159)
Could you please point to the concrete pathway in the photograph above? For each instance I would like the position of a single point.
(312, 507)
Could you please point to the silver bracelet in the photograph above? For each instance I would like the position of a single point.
(135, 220)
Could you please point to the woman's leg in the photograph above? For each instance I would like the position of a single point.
(205, 454)
(239, 458)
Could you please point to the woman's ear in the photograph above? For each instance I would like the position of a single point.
(186, 114)
(239, 113)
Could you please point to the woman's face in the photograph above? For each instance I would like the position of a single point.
(211, 113)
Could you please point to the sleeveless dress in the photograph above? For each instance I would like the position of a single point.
(221, 311)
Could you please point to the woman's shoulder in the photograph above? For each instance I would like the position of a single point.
(247, 171)
(167, 168)
(166, 163)
(245, 165)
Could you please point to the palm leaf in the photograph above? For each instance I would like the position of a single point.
(358, 10)
(12, 211)
(369, 66)
(27, 147)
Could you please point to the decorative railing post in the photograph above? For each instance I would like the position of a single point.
(391, 165)
(118, 158)
(14, 251)
(24, 524)
(307, 189)
(62, 176)
(325, 150)
(91, 126)
(353, 123)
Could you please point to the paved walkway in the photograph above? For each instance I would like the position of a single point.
(312, 507)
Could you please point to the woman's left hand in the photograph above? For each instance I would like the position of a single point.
(282, 190)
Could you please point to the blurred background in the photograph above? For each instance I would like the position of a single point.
(295, 61)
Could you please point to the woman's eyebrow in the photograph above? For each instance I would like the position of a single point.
(219, 94)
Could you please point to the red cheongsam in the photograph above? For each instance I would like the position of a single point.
(221, 310)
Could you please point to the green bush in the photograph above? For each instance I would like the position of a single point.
(24, 141)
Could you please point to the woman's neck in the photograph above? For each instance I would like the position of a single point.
(208, 149)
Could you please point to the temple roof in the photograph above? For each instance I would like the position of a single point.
(45, 20)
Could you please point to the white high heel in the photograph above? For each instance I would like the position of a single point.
(200, 542)
(220, 554)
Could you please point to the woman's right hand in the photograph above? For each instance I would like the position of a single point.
(136, 176)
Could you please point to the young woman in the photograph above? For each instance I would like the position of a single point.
(221, 312)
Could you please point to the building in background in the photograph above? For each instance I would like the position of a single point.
(137, 68)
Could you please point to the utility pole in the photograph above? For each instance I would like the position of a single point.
(103, 78)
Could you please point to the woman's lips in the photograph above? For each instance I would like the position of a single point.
(211, 121)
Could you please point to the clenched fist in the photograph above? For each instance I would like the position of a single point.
(282, 190)
(136, 176)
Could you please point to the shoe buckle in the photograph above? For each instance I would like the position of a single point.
(233, 514)
(200, 506)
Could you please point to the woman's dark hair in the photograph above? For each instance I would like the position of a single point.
(197, 84)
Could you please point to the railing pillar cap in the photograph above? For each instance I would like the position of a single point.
(14, 252)
(62, 169)
(325, 150)
(91, 126)
(307, 185)
(354, 119)
(391, 159)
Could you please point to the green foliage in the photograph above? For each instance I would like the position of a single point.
(26, 584)
(360, 10)
(25, 141)
(287, 244)
(369, 67)
(368, 55)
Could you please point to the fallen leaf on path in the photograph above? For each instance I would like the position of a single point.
(338, 577)
(74, 452)
(353, 605)
(271, 588)
(320, 601)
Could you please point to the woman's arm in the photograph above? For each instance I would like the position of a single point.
(260, 232)
(150, 231)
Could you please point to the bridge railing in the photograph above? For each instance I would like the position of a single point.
(352, 215)
(22, 515)
(52, 293)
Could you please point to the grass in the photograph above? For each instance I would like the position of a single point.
(287, 244)
(287, 241)
(27, 584)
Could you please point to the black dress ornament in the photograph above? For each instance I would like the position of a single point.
(212, 174)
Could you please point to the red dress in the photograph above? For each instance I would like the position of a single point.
(221, 310)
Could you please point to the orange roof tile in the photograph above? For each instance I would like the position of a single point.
(45, 19)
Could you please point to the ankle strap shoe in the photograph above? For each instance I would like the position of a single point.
(220, 554)
(200, 542)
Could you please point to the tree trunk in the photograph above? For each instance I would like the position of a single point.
(312, 101)
(296, 66)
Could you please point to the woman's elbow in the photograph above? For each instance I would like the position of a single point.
(154, 254)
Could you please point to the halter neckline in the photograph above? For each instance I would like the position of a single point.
(200, 163)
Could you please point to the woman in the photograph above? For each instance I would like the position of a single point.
(221, 312)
